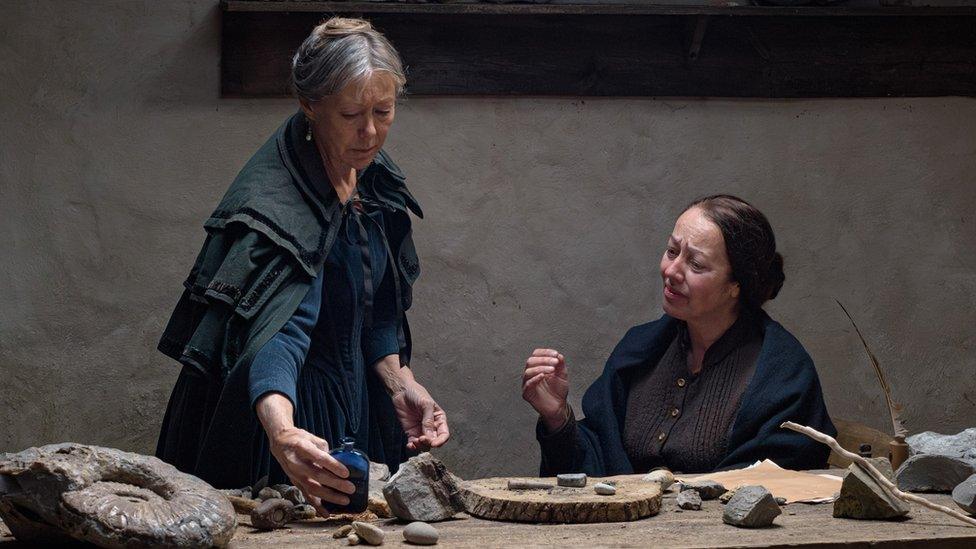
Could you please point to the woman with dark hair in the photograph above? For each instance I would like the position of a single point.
(706, 386)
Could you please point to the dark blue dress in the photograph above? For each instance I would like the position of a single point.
(322, 358)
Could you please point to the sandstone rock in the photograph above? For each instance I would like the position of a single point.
(707, 489)
(964, 494)
(243, 505)
(861, 497)
(293, 495)
(376, 502)
(342, 531)
(571, 480)
(267, 493)
(604, 489)
(271, 514)
(960, 446)
(369, 533)
(420, 533)
(661, 476)
(62, 493)
(378, 471)
(932, 473)
(690, 500)
(725, 497)
(423, 489)
(751, 507)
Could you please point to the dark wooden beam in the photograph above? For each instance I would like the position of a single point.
(506, 49)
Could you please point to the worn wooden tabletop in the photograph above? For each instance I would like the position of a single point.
(799, 525)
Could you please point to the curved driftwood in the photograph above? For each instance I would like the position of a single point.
(491, 499)
(67, 492)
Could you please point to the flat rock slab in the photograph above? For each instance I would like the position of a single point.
(707, 489)
(491, 499)
(961, 445)
(862, 497)
(964, 494)
(751, 507)
(932, 473)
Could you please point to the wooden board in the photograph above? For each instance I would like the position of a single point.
(491, 499)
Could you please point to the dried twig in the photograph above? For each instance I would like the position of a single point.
(880, 478)
(894, 409)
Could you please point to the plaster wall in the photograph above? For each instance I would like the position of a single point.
(545, 221)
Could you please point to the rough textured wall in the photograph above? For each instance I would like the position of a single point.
(545, 221)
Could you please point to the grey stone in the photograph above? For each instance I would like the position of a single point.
(294, 495)
(420, 533)
(604, 489)
(571, 480)
(780, 501)
(280, 488)
(378, 471)
(661, 476)
(690, 500)
(423, 489)
(271, 514)
(267, 493)
(303, 512)
(751, 507)
(352, 539)
(342, 531)
(707, 489)
(63, 493)
(960, 446)
(378, 475)
(964, 494)
(862, 497)
(369, 533)
(932, 473)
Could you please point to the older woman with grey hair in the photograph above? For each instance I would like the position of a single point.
(291, 330)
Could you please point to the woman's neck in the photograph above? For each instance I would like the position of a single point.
(704, 334)
(341, 176)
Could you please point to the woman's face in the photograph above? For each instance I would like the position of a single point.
(351, 125)
(696, 272)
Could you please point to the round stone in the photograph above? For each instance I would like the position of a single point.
(420, 533)
(369, 533)
(604, 489)
(267, 493)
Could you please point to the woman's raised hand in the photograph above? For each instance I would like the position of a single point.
(545, 385)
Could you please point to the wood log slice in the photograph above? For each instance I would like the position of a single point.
(491, 499)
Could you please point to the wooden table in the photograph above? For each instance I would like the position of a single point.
(800, 525)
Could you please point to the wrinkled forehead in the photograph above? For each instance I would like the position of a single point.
(695, 229)
(375, 87)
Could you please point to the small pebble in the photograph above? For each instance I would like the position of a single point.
(280, 488)
(604, 489)
(293, 495)
(707, 489)
(267, 493)
(342, 532)
(661, 476)
(724, 498)
(571, 480)
(303, 512)
(780, 501)
(420, 533)
(353, 539)
(690, 500)
(271, 514)
(369, 533)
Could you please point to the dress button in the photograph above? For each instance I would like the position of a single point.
(661, 437)
(674, 412)
(681, 382)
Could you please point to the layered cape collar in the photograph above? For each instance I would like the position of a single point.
(283, 193)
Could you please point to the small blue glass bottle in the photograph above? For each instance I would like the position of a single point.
(358, 465)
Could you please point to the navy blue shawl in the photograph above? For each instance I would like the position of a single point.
(785, 387)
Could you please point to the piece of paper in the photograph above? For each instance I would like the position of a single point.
(794, 486)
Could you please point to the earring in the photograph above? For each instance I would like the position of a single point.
(308, 133)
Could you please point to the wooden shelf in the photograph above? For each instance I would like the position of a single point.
(626, 49)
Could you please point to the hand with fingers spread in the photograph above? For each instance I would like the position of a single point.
(303, 456)
(545, 385)
(422, 419)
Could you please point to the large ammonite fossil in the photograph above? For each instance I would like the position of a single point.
(67, 492)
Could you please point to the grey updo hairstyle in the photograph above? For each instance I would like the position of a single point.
(338, 52)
